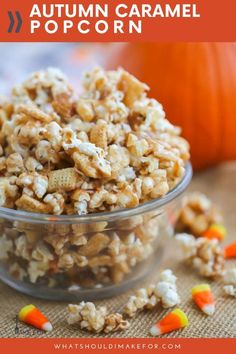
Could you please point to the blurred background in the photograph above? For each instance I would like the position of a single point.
(195, 82)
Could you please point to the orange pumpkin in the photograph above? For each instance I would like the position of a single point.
(196, 83)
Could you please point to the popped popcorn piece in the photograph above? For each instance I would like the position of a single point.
(44, 153)
(42, 253)
(54, 203)
(91, 162)
(15, 164)
(66, 261)
(230, 290)
(8, 191)
(230, 276)
(187, 243)
(166, 290)
(95, 319)
(32, 165)
(119, 159)
(100, 197)
(37, 269)
(203, 254)
(98, 135)
(81, 199)
(22, 247)
(40, 186)
(57, 242)
(53, 133)
(33, 183)
(137, 147)
(39, 86)
(6, 246)
(127, 198)
(163, 292)
(87, 316)
(142, 299)
(115, 322)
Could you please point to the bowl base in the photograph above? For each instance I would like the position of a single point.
(86, 294)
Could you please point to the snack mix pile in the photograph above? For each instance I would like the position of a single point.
(108, 148)
(197, 214)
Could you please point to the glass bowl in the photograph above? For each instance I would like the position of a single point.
(85, 257)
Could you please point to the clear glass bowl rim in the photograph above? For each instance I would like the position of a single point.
(20, 215)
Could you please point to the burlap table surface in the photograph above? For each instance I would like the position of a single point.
(220, 184)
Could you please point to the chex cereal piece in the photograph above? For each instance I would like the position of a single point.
(65, 179)
(31, 315)
(98, 135)
(230, 251)
(30, 204)
(35, 113)
(174, 320)
(203, 298)
(163, 292)
(62, 105)
(95, 319)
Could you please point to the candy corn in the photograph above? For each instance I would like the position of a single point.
(203, 298)
(217, 231)
(32, 316)
(230, 251)
(174, 320)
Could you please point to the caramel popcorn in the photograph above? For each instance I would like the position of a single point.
(163, 292)
(230, 281)
(111, 137)
(197, 214)
(203, 254)
(230, 290)
(99, 252)
(95, 319)
(6, 245)
(62, 153)
(230, 276)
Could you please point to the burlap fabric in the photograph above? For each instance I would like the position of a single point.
(220, 184)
